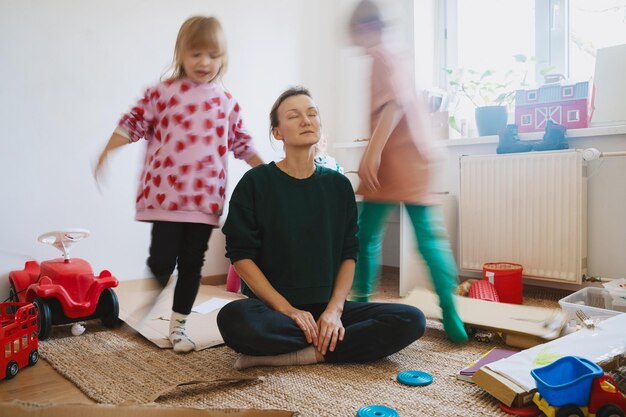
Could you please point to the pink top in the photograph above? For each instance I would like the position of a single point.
(189, 129)
(406, 166)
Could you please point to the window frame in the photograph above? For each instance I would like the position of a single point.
(551, 37)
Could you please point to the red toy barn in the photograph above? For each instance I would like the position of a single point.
(564, 104)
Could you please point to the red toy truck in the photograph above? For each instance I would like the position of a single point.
(576, 387)
(65, 290)
(18, 336)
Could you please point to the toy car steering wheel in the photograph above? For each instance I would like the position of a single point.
(63, 239)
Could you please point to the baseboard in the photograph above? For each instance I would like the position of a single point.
(387, 269)
(214, 280)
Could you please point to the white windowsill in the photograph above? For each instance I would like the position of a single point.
(573, 133)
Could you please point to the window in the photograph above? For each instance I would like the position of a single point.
(592, 24)
(553, 36)
(567, 92)
(573, 115)
(24, 341)
(485, 34)
(563, 35)
(531, 95)
(7, 350)
(490, 32)
(16, 345)
(526, 120)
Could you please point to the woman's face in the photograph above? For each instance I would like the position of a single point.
(298, 122)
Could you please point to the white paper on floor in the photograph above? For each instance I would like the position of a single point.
(212, 304)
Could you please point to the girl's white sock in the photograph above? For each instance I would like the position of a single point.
(181, 343)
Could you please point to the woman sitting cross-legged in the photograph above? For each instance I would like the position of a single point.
(291, 235)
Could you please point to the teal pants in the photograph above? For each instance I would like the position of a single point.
(431, 239)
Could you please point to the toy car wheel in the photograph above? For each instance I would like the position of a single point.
(33, 357)
(12, 369)
(44, 324)
(109, 308)
(12, 298)
(610, 411)
(13, 293)
(570, 411)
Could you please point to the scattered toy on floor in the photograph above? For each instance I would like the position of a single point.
(377, 411)
(575, 386)
(65, 290)
(484, 290)
(78, 329)
(530, 410)
(463, 288)
(415, 378)
(18, 326)
(483, 336)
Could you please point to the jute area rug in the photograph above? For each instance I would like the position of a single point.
(115, 366)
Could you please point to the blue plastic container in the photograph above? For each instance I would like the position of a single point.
(566, 380)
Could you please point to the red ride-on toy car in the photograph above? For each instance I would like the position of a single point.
(65, 290)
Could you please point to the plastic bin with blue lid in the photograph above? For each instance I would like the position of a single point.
(566, 381)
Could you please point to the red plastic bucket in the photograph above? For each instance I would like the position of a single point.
(507, 278)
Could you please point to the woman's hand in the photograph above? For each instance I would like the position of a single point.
(368, 170)
(331, 330)
(305, 322)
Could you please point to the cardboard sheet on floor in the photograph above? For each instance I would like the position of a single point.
(509, 379)
(147, 308)
(18, 409)
(523, 326)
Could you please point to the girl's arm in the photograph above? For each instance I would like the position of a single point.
(390, 115)
(329, 324)
(132, 126)
(114, 142)
(259, 284)
(255, 160)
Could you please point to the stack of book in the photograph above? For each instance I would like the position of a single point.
(492, 355)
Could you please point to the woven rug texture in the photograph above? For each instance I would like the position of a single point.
(114, 366)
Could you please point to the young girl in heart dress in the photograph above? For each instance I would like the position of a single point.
(190, 123)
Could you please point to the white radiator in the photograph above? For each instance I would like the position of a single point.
(528, 208)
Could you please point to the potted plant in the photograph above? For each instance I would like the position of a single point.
(491, 93)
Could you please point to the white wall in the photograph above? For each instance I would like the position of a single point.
(69, 69)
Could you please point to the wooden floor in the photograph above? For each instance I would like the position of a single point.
(41, 383)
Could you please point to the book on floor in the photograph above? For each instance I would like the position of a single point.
(492, 355)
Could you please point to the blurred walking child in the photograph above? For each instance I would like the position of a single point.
(397, 168)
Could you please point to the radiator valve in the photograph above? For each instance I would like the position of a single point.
(587, 278)
(591, 154)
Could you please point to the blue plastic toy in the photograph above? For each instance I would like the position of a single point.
(377, 411)
(415, 378)
(566, 380)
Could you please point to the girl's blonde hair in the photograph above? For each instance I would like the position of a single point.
(199, 32)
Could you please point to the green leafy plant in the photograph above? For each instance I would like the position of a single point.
(485, 88)
(490, 87)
